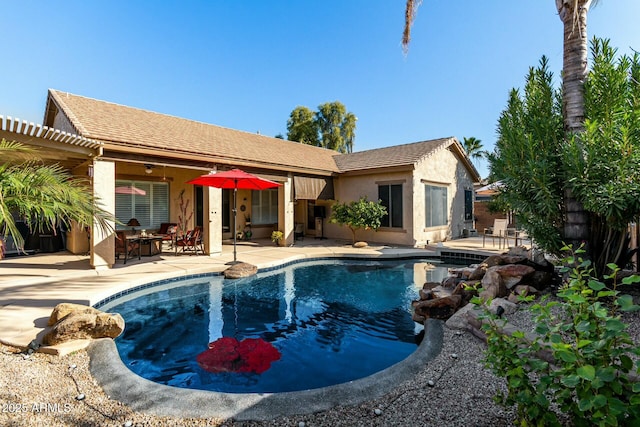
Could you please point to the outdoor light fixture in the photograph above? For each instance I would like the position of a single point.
(148, 168)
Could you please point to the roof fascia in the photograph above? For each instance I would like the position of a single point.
(458, 150)
(179, 159)
(378, 170)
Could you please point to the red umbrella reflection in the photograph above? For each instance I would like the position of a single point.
(130, 190)
(227, 354)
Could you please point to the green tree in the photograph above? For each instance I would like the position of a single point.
(535, 160)
(359, 214)
(336, 126)
(330, 127)
(302, 126)
(526, 158)
(42, 195)
(604, 160)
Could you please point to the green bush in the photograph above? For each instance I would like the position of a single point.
(580, 360)
(358, 214)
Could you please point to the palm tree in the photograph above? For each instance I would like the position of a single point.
(573, 14)
(44, 196)
(473, 148)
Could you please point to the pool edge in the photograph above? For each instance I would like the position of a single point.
(146, 396)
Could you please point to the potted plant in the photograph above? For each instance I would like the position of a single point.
(276, 237)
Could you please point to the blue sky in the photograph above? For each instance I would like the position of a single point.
(247, 64)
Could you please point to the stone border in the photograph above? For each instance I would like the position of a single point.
(146, 396)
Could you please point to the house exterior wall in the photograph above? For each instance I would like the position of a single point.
(350, 188)
(443, 168)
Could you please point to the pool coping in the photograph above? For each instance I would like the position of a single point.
(146, 396)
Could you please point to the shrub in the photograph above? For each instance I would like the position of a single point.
(358, 214)
(580, 359)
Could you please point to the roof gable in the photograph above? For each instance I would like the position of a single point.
(405, 155)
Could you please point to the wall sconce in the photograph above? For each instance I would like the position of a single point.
(148, 168)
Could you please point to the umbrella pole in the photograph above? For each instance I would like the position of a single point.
(235, 212)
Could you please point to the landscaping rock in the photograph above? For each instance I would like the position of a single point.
(459, 319)
(466, 290)
(64, 309)
(425, 294)
(360, 244)
(525, 290)
(440, 308)
(450, 282)
(493, 278)
(513, 274)
(84, 325)
(240, 270)
(507, 306)
(492, 285)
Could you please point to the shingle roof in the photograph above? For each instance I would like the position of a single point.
(397, 155)
(122, 126)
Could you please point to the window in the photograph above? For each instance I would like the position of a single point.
(435, 205)
(264, 207)
(391, 197)
(468, 205)
(150, 208)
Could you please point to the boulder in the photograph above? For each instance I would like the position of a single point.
(512, 274)
(492, 285)
(430, 285)
(492, 261)
(466, 290)
(513, 259)
(541, 280)
(425, 294)
(64, 309)
(462, 273)
(508, 306)
(84, 325)
(478, 273)
(360, 244)
(525, 290)
(240, 270)
(450, 282)
(439, 308)
(459, 318)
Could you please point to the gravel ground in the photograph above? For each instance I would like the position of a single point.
(44, 390)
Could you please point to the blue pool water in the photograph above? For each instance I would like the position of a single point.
(329, 322)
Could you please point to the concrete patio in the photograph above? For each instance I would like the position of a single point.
(31, 286)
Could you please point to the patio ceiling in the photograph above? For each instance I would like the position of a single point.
(53, 145)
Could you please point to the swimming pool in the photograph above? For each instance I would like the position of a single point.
(304, 326)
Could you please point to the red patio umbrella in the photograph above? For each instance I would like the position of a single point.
(234, 179)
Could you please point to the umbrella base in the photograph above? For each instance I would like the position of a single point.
(233, 262)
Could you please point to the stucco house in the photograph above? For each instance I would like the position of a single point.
(427, 186)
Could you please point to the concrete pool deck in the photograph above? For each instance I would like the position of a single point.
(31, 286)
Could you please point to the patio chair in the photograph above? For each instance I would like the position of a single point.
(126, 247)
(298, 232)
(168, 232)
(190, 242)
(498, 230)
